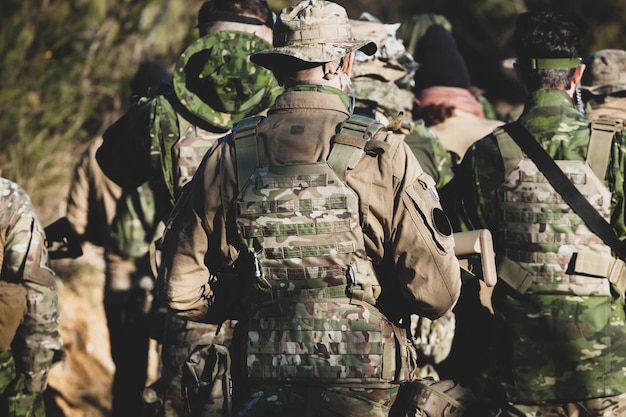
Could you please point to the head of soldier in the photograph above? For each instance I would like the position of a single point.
(313, 44)
(548, 47)
(214, 77)
(604, 79)
(253, 16)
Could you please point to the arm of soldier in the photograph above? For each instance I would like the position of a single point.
(475, 184)
(424, 246)
(78, 196)
(37, 343)
(418, 237)
(184, 279)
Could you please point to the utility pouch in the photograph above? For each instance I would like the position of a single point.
(206, 380)
(12, 311)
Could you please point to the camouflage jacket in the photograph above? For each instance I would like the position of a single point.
(569, 344)
(37, 343)
(201, 240)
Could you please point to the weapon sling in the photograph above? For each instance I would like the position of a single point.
(596, 223)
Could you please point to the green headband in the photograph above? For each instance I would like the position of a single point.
(554, 63)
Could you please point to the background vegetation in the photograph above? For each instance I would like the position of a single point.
(66, 66)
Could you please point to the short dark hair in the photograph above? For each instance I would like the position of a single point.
(547, 32)
(218, 10)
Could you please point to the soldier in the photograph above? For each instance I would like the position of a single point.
(559, 301)
(29, 318)
(604, 83)
(323, 266)
(214, 86)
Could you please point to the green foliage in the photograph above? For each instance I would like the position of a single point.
(65, 74)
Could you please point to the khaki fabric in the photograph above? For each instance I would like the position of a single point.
(92, 198)
(395, 198)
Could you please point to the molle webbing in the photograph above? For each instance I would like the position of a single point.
(350, 142)
(546, 246)
(335, 341)
(599, 150)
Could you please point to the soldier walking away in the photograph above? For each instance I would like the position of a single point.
(214, 86)
(99, 213)
(553, 199)
(29, 317)
(320, 232)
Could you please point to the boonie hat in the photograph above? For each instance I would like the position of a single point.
(605, 72)
(313, 31)
(215, 80)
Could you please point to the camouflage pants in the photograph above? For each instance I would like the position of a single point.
(420, 398)
(598, 407)
(180, 337)
(14, 401)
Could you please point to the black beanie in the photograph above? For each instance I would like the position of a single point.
(441, 64)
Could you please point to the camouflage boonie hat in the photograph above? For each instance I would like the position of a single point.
(313, 31)
(215, 79)
(605, 72)
(384, 79)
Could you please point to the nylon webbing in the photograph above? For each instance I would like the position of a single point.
(350, 142)
(599, 151)
(596, 223)
(244, 135)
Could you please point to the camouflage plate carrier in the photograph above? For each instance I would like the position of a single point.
(571, 283)
(314, 318)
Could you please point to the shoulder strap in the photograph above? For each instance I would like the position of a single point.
(247, 159)
(510, 151)
(350, 143)
(599, 151)
(564, 186)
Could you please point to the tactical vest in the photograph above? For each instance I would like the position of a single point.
(547, 248)
(314, 318)
(189, 150)
(565, 330)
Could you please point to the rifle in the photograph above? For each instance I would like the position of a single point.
(474, 249)
(61, 240)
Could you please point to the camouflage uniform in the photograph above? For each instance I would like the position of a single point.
(569, 336)
(604, 83)
(299, 128)
(219, 89)
(36, 345)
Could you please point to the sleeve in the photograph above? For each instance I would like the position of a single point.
(37, 343)
(78, 196)
(195, 237)
(472, 192)
(408, 228)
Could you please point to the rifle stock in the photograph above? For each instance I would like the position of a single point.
(61, 240)
(474, 249)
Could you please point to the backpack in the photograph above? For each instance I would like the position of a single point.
(135, 224)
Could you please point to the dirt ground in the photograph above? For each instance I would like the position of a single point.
(80, 385)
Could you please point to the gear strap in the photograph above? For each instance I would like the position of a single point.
(599, 150)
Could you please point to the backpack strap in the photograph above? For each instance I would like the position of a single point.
(350, 143)
(244, 136)
(599, 150)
